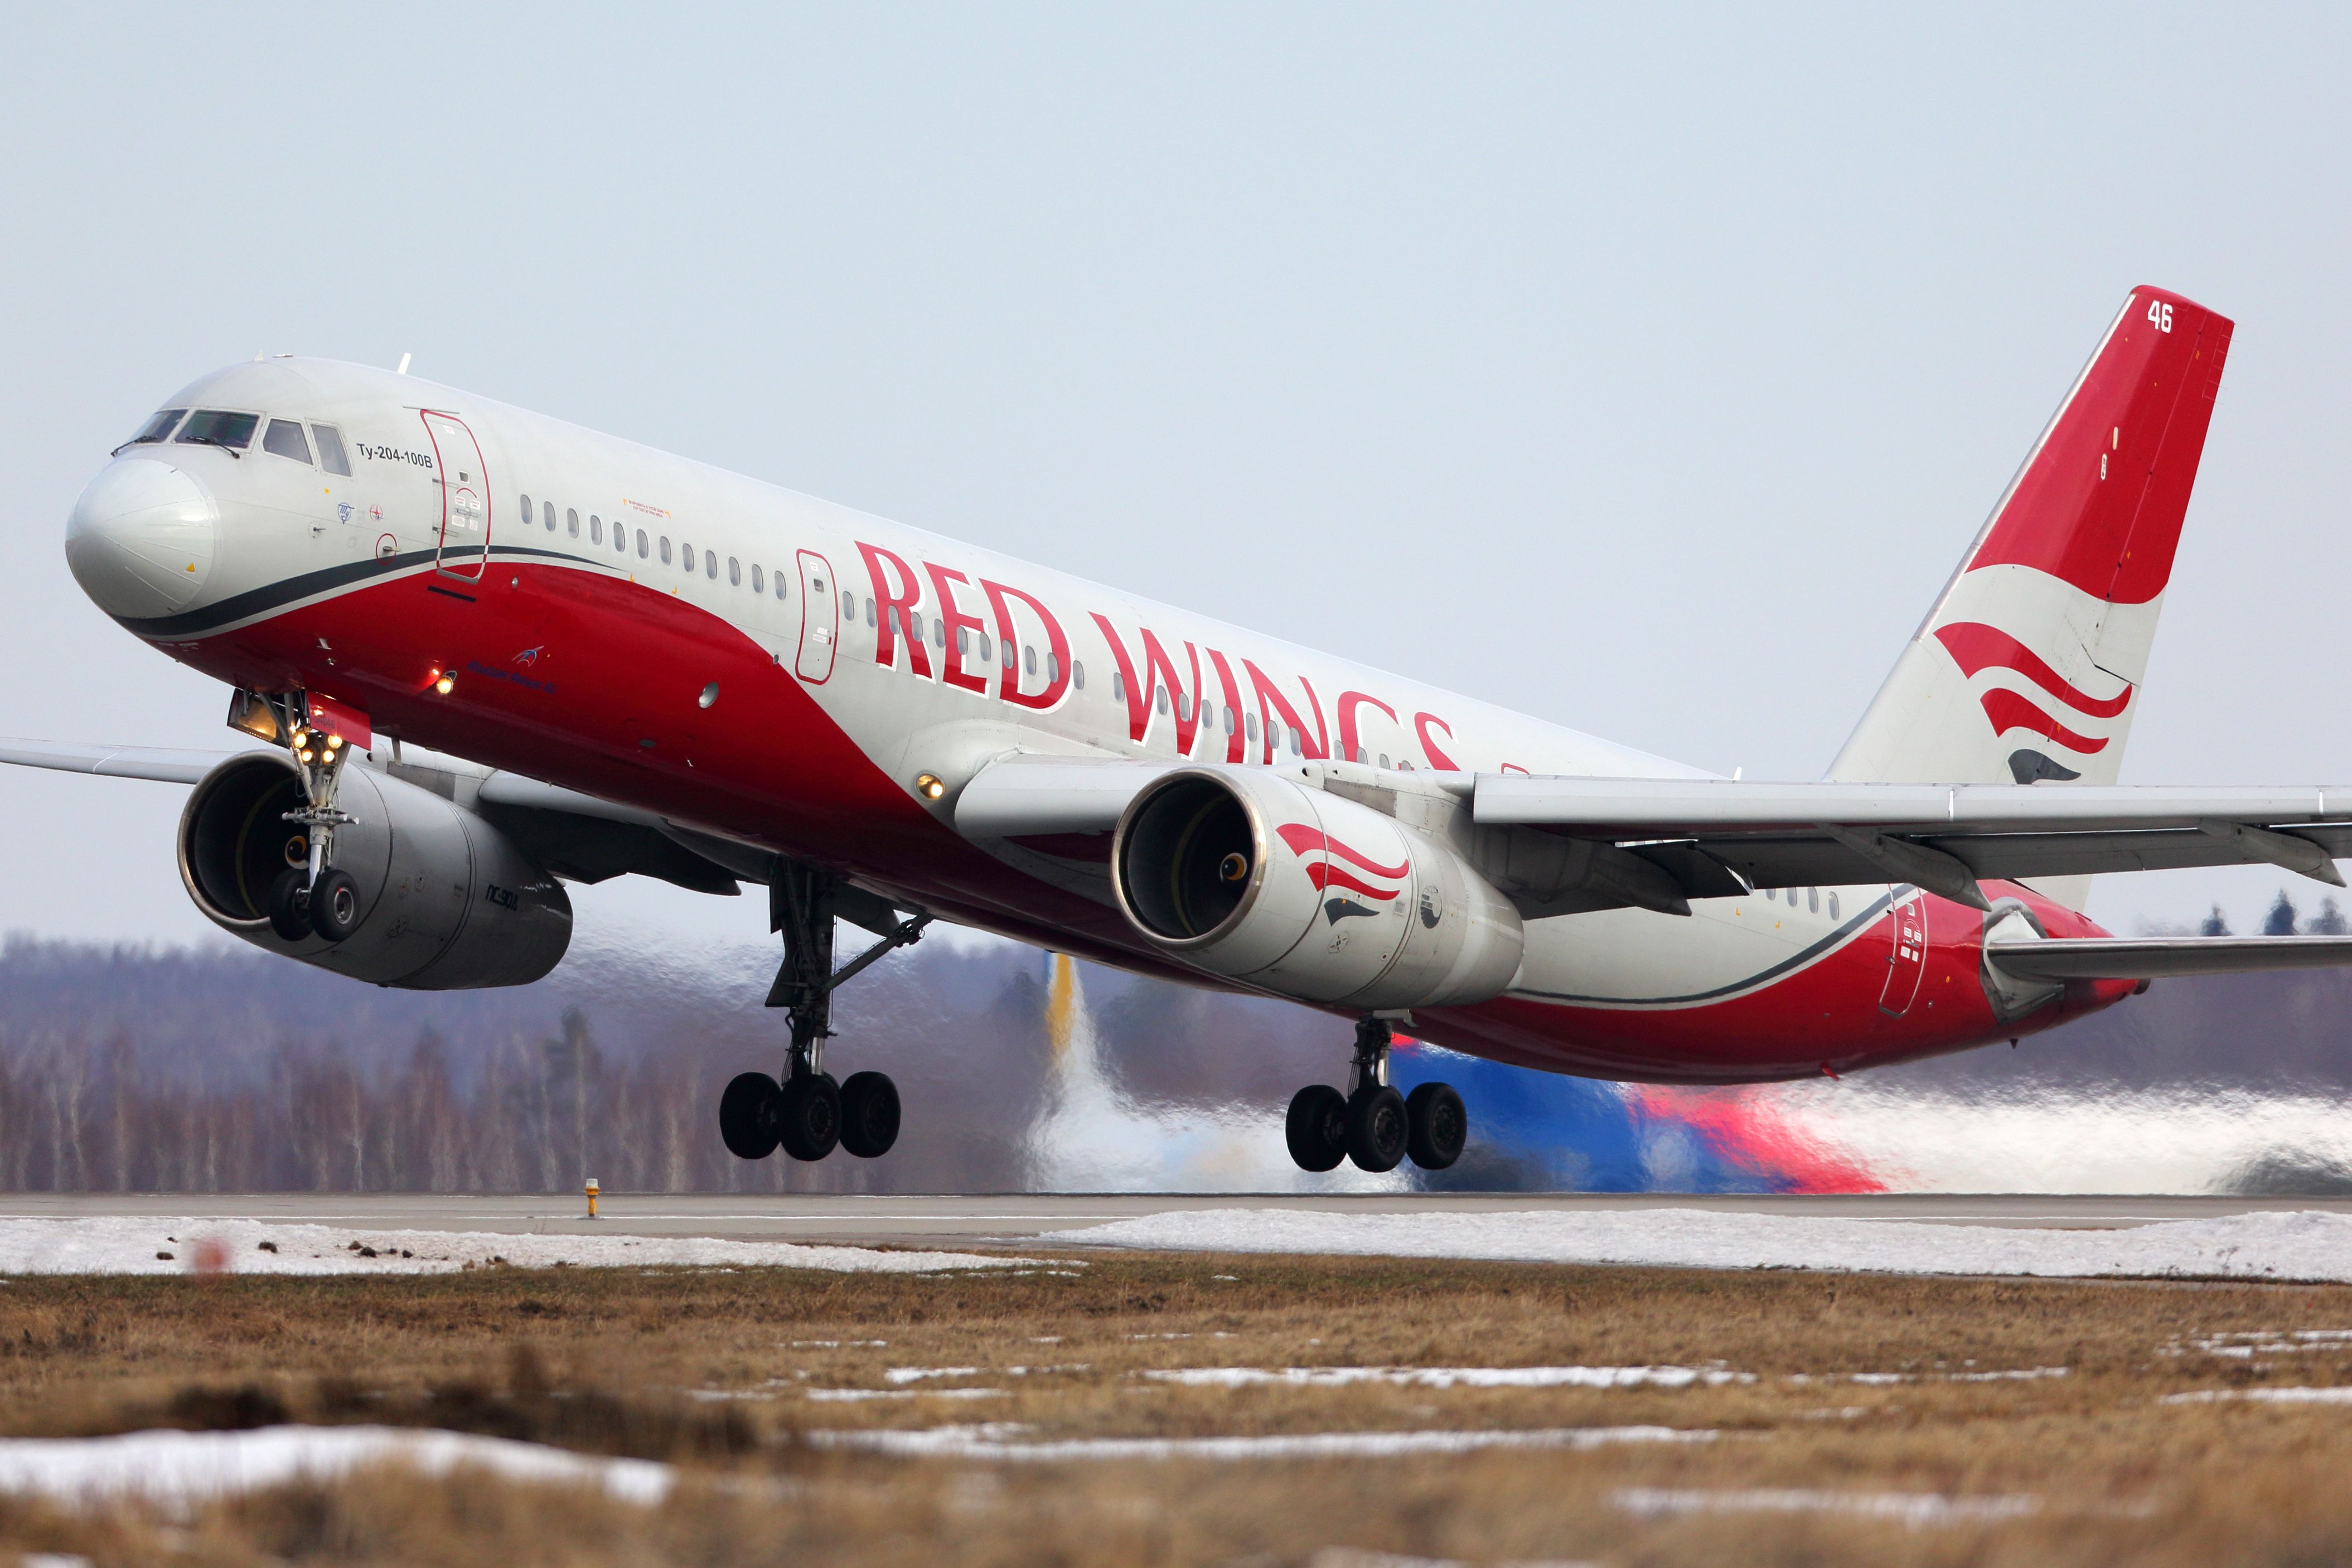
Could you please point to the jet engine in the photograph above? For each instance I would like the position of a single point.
(1250, 876)
(447, 901)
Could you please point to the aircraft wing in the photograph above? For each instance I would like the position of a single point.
(113, 762)
(1942, 838)
(2122, 958)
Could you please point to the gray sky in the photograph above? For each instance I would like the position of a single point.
(1647, 371)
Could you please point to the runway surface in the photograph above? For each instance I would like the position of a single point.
(965, 1221)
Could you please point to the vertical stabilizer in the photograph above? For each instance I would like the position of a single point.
(2028, 666)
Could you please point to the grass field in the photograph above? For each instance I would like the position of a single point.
(1853, 1418)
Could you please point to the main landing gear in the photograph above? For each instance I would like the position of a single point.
(808, 1113)
(1373, 1125)
(310, 897)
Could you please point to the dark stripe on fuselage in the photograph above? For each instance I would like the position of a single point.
(271, 596)
(1794, 960)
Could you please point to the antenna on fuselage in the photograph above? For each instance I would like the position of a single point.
(404, 365)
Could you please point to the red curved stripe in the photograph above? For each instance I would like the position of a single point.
(1976, 645)
(1304, 840)
(2008, 711)
(1324, 875)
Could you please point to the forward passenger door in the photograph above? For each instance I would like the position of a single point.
(465, 543)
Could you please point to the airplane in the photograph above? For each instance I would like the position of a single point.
(489, 653)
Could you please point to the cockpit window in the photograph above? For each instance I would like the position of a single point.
(219, 427)
(285, 438)
(159, 428)
(330, 450)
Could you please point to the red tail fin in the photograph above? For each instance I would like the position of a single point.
(2099, 503)
(2029, 668)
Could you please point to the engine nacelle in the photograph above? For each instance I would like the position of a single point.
(447, 903)
(1250, 876)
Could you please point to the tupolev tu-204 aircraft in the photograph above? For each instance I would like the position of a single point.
(490, 653)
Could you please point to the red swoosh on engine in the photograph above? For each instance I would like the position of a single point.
(1976, 645)
(1303, 839)
(1325, 875)
(2008, 711)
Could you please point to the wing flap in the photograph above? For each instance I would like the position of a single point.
(1799, 835)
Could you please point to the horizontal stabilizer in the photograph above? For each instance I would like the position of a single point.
(2120, 958)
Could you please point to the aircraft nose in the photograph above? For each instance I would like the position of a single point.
(139, 541)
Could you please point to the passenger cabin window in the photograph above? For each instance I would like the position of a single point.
(734, 572)
(1833, 914)
(646, 548)
(1029, 658)
(571, 523)
(665, 548)
(779, 585)
(759, 583)
(1252, 728)
(596, 528)
(219, 427)
(1077, 673)
(1117, 687)
(1813, 901)
(526, 510)
(285, 438)
(869, 612)
(711, 566)
(332, 457)
(159, 428)
(685, 556)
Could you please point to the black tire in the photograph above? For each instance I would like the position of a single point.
(747, 1115)
(335, 905)
(869, 1114)
(1437, 1126)
(1377, 1127)
(808, 1115)
(290, 904)
(1318, 1127)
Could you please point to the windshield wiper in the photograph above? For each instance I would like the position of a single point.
(213, 441)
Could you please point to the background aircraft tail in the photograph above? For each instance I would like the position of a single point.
(2028, 666)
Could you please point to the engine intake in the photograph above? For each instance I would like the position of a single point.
(1253, 876)
(447, 901)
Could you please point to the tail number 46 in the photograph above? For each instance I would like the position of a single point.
(2160, 314)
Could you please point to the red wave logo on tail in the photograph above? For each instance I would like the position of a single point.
(1305, 840)
(1976, 646)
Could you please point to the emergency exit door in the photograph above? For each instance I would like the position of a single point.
(465, 543)
(1907, 963)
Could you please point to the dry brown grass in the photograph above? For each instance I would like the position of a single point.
(603, 1361)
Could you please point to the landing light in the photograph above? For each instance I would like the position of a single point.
(445, 685)
(929, 786)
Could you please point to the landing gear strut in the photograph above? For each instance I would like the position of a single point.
(808, 1113)
(1373, 1125)
(313, 898)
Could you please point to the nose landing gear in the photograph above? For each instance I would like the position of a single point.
(1373, 1125)
(808, 1114)
(310, 897)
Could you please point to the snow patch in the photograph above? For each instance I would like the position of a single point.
(1912, 1509)
(181, 1468)
(1453, 1376)
(2340, 1395)
(999, 1441)
(2304, 1245)
(119, 1244)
